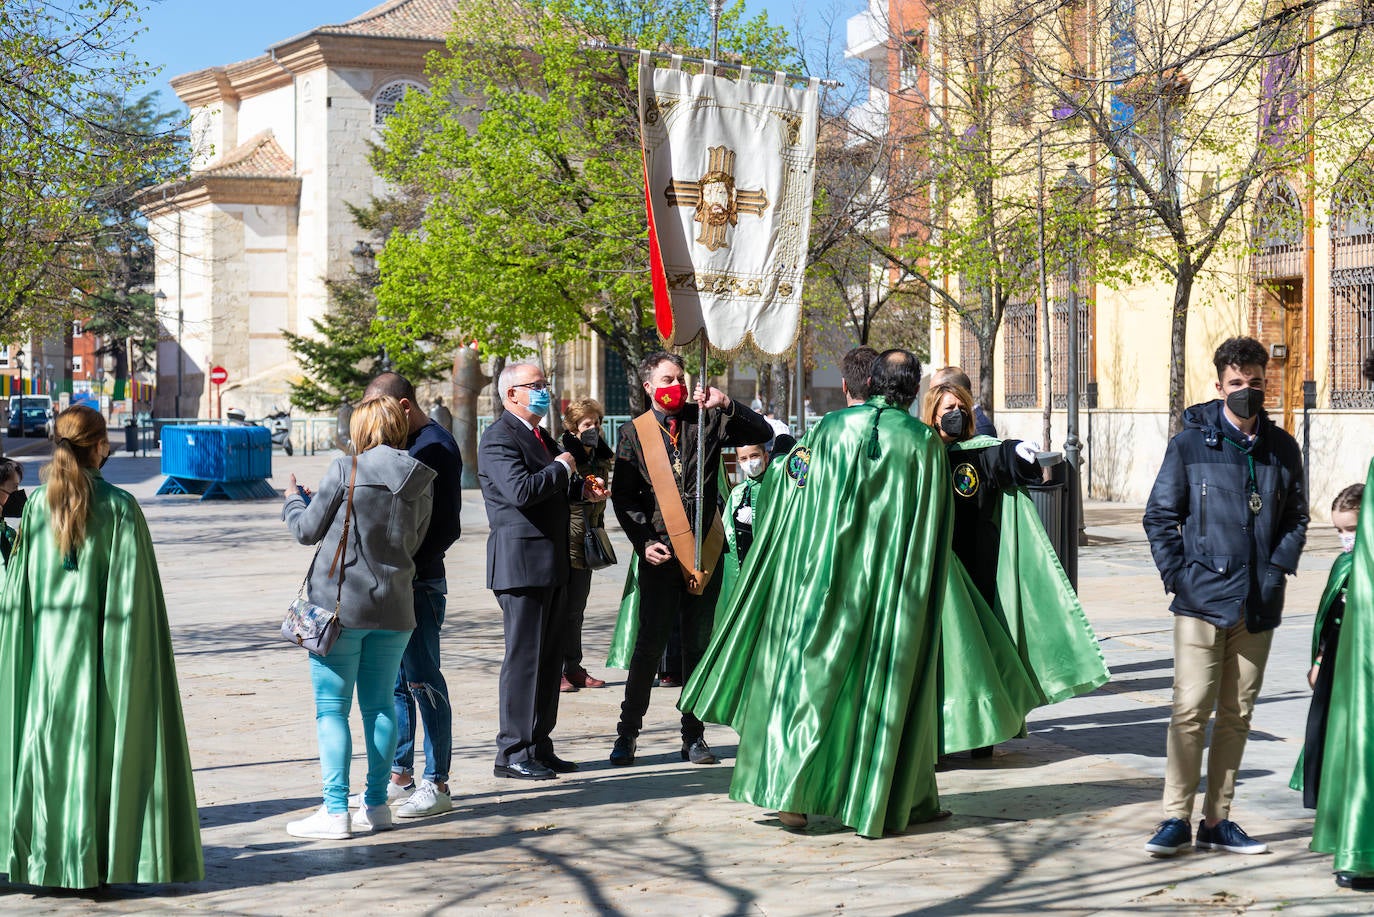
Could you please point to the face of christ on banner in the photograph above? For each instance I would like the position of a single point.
(716, 201)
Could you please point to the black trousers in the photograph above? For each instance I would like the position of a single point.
(530, 673)
(574, 610)
(663, 600)
(1314, 740)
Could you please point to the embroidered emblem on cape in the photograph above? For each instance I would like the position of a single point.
(799, 465)
(965, 480)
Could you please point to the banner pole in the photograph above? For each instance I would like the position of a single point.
(715, 7)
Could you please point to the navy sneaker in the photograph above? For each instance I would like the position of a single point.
(1228, 836)
(1171, 836)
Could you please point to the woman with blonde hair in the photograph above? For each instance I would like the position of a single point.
(582, 439)
(95, 774)
(380, 498)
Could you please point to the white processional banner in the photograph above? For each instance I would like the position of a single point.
(729, 167)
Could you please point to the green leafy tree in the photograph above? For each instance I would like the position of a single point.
(120, 306)
(66, 153)
(526, 154)
(350, 345)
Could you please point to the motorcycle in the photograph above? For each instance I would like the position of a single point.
(278, 424)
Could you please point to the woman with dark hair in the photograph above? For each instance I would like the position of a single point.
(12, 501)
(1000, 541)
(95, 775)
(582, 439)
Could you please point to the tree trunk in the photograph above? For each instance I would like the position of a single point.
(498, 407)
(468, 382)
(987, 350)
(781, 375)
(1178, 345)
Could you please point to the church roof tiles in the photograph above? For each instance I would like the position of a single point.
(258, 157)
(431, 19)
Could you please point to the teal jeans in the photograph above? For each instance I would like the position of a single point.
(367, 660)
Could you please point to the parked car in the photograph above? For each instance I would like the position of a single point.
(36, 420)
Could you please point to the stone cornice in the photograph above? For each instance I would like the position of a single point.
(220, 189)
(204, 87)
(261, 74)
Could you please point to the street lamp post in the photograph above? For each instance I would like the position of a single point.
(1075, 187)
(19, 361)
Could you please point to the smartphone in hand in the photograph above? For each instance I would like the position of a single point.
(300, 489)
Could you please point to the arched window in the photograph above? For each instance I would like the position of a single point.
(1352, 286)
(388, 97)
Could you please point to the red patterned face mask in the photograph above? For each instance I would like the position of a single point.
(670, 398)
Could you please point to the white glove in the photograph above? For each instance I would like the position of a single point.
(745, 515)
(1028, 450)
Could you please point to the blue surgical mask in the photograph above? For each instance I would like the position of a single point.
(540, 399)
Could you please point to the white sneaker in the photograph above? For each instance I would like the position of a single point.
(394, 792)
(323, 825)
(372, 818)
(427, 799)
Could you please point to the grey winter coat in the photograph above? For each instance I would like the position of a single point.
(391, 507)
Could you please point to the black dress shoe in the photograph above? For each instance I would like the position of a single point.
(623, 754)
(524, 770)
(698, 752)
(1357, 883)
(557, 764)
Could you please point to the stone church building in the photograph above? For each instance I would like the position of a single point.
(245, 244)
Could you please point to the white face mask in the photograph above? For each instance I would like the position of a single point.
(751, 468)
(1347, 541)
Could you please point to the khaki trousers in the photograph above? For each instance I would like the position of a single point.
(1214, 669)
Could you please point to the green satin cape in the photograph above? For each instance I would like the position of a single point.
(95, 775)
(1335, 583)
(1344, 825)
(1055, 641)
(826, 658)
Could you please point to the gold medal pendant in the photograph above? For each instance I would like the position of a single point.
(677, 469)
(1256, 504)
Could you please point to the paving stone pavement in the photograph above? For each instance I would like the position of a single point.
(1053, 824)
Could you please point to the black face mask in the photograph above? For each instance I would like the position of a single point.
(1246, 402)
(14, 506)
(954, 422)
(590, 438)
(104, 460)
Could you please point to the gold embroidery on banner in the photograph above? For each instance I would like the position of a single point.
(715, 198)
(658, 108)
(716, 284)
(792, 124)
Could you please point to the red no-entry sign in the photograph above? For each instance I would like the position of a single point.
(219, 375)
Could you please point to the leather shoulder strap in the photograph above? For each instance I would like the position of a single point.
(343, 539)
(666, 491)
(669, 498)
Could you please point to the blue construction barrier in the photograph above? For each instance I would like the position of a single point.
(217, 462)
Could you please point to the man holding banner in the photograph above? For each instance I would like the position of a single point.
(653, 488)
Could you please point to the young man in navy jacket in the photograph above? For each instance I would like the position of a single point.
(1227, 520)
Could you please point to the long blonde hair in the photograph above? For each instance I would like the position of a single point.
(77, 435)
(378, 421)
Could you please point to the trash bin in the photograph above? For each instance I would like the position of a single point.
(131, 437)
(1059, 517)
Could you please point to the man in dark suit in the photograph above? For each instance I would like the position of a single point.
(664, 596)
(527, 486)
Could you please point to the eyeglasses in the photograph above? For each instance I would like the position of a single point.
(538, 386)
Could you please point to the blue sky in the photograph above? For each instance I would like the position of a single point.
(186, 35)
